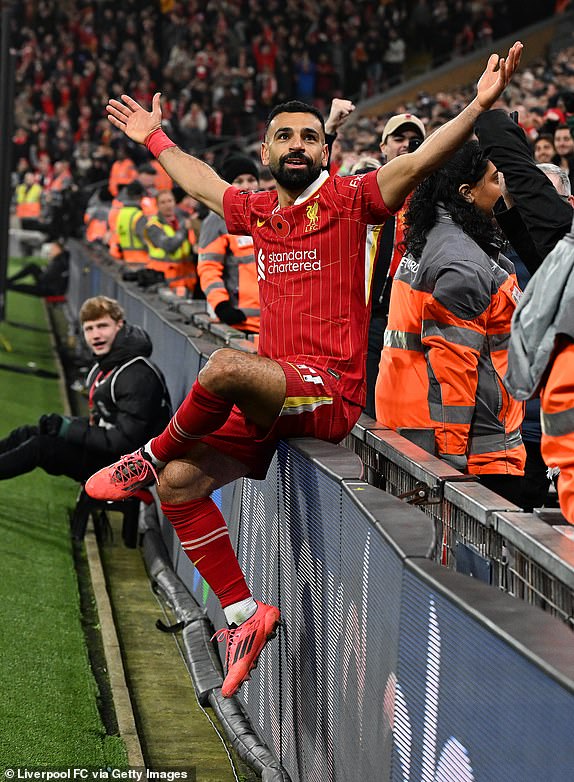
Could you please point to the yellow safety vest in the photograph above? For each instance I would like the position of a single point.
(132, 247)
(179, 267)
(28, 200)
(183, 252)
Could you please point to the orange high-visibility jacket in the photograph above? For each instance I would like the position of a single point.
(446, 351)
(28, 200)
(557, 416)
(122, 173)
(227, 270)
(96, 221)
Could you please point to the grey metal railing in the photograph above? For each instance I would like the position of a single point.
(477, 531)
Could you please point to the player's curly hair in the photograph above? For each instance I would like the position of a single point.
(467, 166)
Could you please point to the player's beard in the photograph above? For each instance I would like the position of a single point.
(299, 178)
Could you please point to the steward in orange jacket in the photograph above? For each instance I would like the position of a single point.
(228, 274)
(541, 357)
(557, 414)
(445, 347)
(29, 197)
(123, 172)
(97, 215)
(227, 268)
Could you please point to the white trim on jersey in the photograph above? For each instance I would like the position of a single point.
(312, 189)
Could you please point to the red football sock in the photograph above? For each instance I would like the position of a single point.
(205, 539)
(200, 413)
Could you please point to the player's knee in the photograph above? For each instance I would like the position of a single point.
(222, 371)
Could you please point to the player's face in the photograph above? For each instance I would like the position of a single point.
(101, 333)
(294, 149)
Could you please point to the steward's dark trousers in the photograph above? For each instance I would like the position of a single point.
(24, 450)
(377, 328)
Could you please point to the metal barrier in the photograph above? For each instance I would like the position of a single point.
(388, 666)
(477, 531)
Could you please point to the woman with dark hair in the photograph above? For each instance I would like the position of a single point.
(445, 347)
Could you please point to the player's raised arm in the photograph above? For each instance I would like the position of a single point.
(400, 176)
(193, 175)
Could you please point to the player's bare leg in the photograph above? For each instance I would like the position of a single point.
(254, 384)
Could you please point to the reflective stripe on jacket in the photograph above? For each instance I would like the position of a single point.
(132, 247)
(445, 352)
(227, 270)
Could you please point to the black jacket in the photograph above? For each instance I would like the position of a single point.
(129, 401)
(545, 217)
(54, 278)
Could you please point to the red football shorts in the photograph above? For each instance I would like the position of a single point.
(312, 408)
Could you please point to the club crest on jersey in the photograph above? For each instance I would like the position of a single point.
(312, 213)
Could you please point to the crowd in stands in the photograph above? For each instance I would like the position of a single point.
(220, 65)
(72, 168)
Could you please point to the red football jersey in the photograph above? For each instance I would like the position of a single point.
(315, 263)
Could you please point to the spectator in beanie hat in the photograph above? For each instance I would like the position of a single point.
(227, 269)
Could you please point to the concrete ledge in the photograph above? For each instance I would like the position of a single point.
(116, 673)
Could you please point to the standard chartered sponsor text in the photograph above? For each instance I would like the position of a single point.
(293, 261)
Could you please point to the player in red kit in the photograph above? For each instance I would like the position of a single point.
(314, 240)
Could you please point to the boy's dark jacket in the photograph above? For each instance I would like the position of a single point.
(129, 401)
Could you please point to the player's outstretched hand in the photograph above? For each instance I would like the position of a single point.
(493, 80)
(133, 119)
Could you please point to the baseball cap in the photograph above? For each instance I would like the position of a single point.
(402, 120)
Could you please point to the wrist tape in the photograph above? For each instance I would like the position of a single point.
(157, 141)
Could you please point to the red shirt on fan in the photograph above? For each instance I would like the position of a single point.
(315, 264)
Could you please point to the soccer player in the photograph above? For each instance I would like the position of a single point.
(314, 243)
